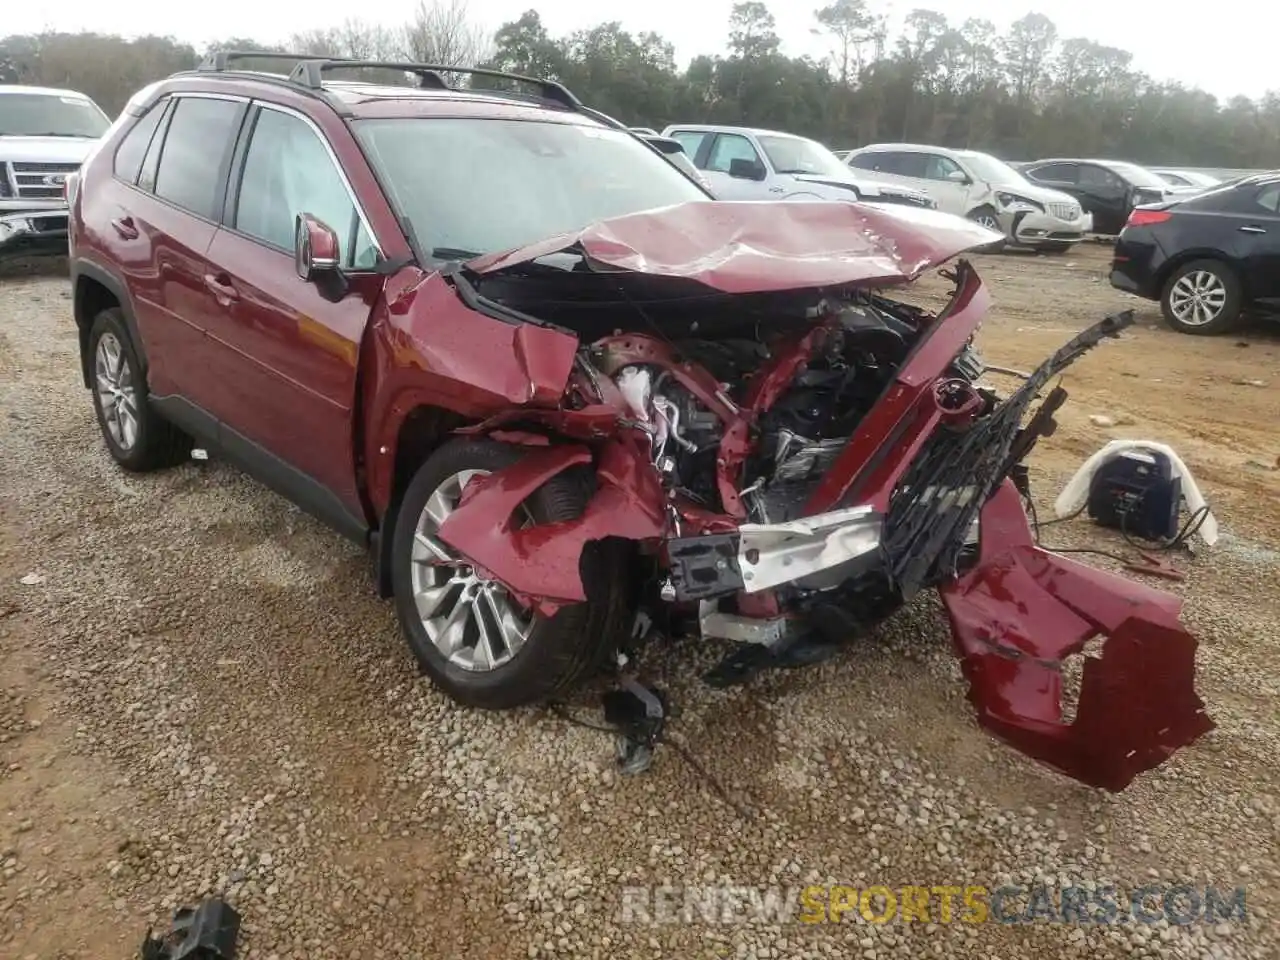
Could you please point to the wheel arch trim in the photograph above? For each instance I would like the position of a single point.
(87, 270)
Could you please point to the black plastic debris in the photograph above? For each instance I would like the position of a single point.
(205, 932)
(638, 714)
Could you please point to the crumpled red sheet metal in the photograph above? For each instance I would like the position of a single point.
(1022, 611)
(745, 247)
(540, 564)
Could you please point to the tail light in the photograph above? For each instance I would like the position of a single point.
(1147, 218)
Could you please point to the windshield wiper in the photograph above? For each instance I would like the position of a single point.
(52, 133)
(453, 253)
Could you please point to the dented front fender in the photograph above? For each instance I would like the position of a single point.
(1022, 611)
(541, 563)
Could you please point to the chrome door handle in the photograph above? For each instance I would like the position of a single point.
(1252, 229)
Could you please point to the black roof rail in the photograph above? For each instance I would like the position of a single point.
(219, 61)
(310, 73)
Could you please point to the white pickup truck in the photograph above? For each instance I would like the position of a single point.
(45, 134)
(743, 163)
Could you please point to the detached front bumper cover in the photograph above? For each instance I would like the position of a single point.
(1022, 611)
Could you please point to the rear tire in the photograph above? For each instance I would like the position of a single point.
(137, 437)
(1203, 298)
(507, 671)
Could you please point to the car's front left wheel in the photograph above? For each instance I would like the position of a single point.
(137, 437)
(478, 643)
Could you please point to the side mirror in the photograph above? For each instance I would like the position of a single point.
(958, 176)
(743, 169)
(315, 248)
(317, 256)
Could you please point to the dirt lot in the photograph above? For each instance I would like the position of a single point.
(200, 693)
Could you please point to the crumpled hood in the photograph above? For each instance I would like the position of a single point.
(753, 246)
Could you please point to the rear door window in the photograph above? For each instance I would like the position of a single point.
(892, 161)
(937, 167)
(907, 164)
(1056, 172)
(1095, 176)
(1269, 198)
(197, 146)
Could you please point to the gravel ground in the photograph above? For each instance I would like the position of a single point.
(200, 693)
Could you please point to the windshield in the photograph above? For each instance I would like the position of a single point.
(474, 186)
(797, 155)
(988, 168)
(50, 115)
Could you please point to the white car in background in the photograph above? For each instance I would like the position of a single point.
(45, 134)
(982, 188)
(743, 163)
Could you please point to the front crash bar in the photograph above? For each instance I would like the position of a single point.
(1022, 611)
(761, 556)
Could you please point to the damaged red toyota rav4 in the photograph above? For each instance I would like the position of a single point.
(561, 392)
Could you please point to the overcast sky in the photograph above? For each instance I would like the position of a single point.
(1225, 50)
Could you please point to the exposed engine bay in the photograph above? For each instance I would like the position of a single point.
(687, 366)
(799, 436)
(788, 456)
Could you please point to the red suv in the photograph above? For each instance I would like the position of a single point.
(570, 401)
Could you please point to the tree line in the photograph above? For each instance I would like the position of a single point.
(1022, 93)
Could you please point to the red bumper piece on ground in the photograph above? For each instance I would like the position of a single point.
(1022, 611)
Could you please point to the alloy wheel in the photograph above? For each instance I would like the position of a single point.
(472, 621)
(117, 395)
(988, 221)
(1197, 298)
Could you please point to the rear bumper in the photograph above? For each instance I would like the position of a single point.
(1136, 263)
(1122, 281)
(33, 232)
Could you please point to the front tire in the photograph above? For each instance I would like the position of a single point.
(1202, 298)
(987, 217)
(137, 437)
(469, 635)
